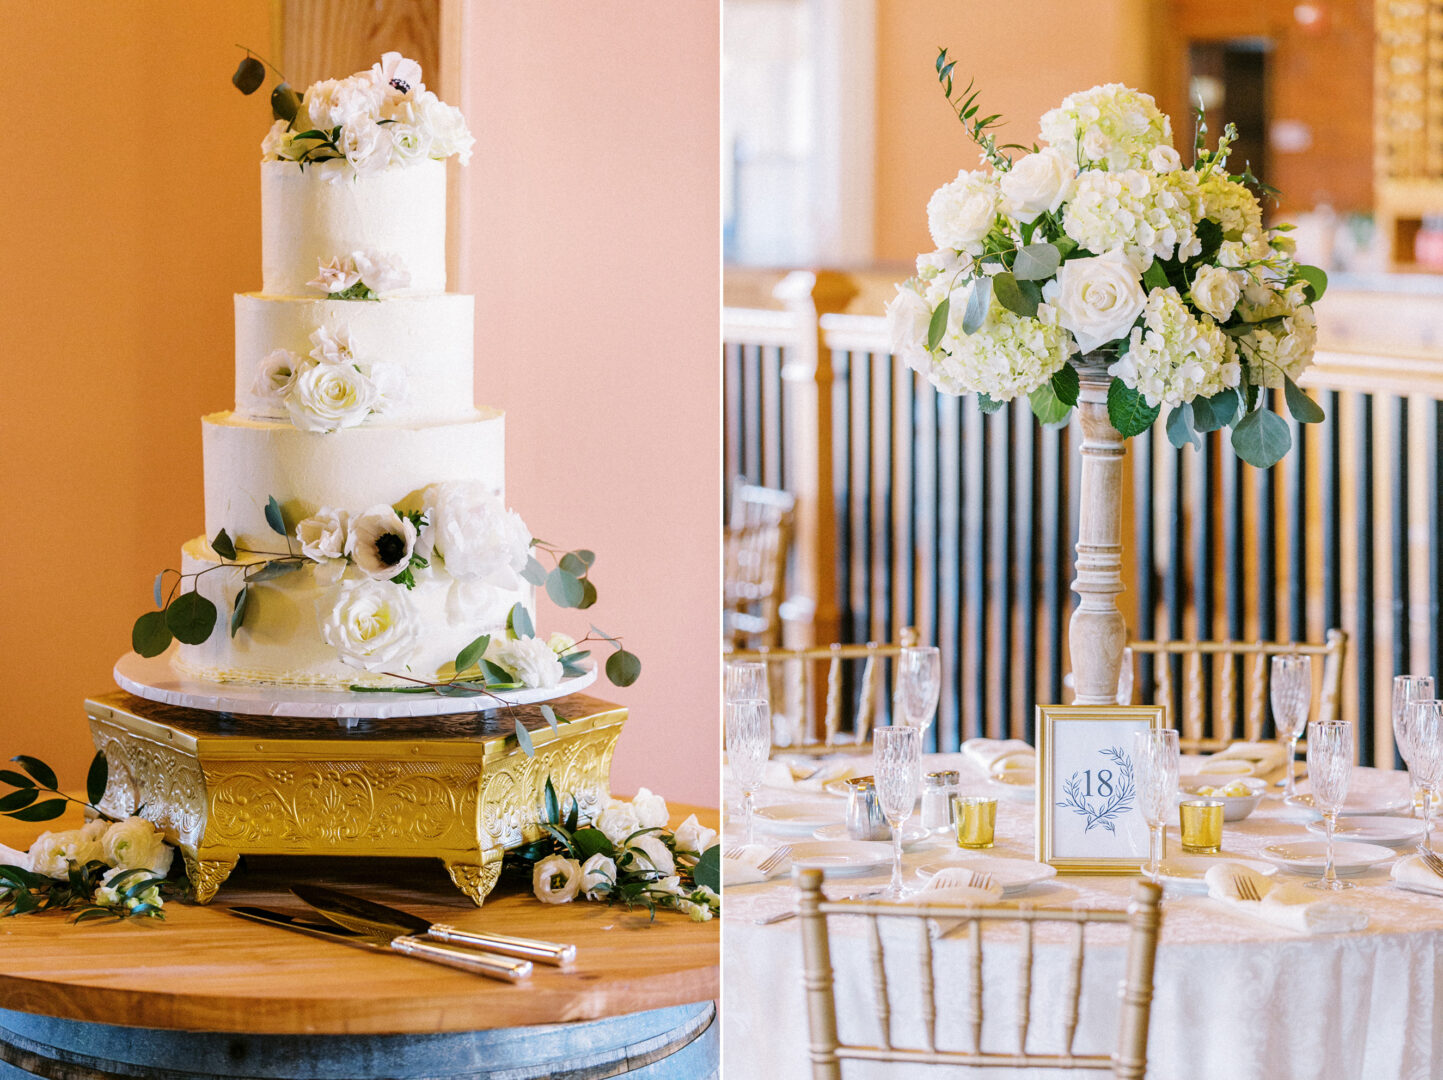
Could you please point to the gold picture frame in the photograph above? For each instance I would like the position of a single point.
(1103, 831)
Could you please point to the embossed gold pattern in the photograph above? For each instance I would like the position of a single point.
(457, 788)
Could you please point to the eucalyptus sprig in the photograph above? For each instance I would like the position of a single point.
(251, 73)
(978, 128)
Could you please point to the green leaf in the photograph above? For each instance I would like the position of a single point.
(1036, 262)
(518, 621)
(150, 636)
(1018, 297)
(224, 546)
(495, 675)
(564, 588)
(238, 613)
(523, 739)
(21, 876)
(97, 778)
(549, 714)
(1155, 277)
(1128, 410)
(989, 404)
(1066, 385)
(1212, 413)
(588, 594)
(471, 653)
(191, 618)
(1316, 282)
(588, 558)
(1210, 236)
(43, 773)
(18, 799)
(249, 75)
(1180, 431)
(276, 568)
(285, 103)
(274, 518)
(978, 305)
(535, 573)
(573, 819)
(1304, 409)
(623, 668)
(1065, 246)
(48, 810)
(15, 779)
(938, 326)
(572, 564)
(553, 805)
(590, 842)
(1047, 406)
(159, 581)
(1262, 438)
(707, 871)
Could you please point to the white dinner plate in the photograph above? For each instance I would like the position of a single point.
(796, 817)
(1013, 875)
(912, 834)
(1363, 804)
(1187, 873)
(1392, 831)
(1017, 786)
(841, 858)
(839, 787)
(1309, 856)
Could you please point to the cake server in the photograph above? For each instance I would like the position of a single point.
(369, 917)
(505, 968)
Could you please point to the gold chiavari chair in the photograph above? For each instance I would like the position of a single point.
(1203, 730)
(811, 702)
(828, 1050)
(757, 543)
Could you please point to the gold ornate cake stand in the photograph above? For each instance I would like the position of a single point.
(457, 787)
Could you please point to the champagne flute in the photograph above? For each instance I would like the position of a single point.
(1330, 767)
(1406, 690)
(1126, 677)
(746, 680)
(749, 743)
(897, 766)
(1425, 733)
(1292, 693)
(921, 684)
(1156, 755)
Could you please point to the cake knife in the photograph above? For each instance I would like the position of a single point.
(369, 917)
(504, 968)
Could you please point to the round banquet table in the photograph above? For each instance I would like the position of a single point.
(207, 994)
(1235, 997)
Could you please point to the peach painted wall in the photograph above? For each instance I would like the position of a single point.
(132, 215)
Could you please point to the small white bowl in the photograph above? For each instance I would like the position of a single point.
(1235, 807)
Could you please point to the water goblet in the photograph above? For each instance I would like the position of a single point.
(897, 766)
(746, 680)
(1425, 734)
(1292, 695)
(1155, 765)
(919, 685)
(749, 743)
(1330, 767)
(1406, 690)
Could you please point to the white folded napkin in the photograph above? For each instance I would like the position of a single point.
(1412, 871)
(1291, 905)
(950, 886)
(1262, 757)
(993, 754)
(811, 775)
(741, 867)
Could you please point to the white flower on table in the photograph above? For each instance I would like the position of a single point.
(598, 875)
(109, 895)
(1037, 184)
(475, 534)
(963, 211)
(556, 879)
(137, 844)
(648, 853)
(52, 852)
(380, 542)
(1097, 299)
(692, 835)
(326, 397)
(371, 624)
(323, 535)
(529, 660)
(651, 811)
(617, 821)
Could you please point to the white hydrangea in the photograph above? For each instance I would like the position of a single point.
(1008, 355)
(962, 212)
(1284, 348)
(1112, 127)
(1264, 299)
(1232, 206)
(1176, 356)
(1142, 213)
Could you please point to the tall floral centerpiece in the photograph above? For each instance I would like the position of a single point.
(1093, 270)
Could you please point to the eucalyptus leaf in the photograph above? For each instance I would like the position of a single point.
(707, 871)
(285, 103)
(588, 594)
(274, 518)
(1218, 411)
(1128, 410)
(249, 75)
(1018, 297)
(150, 636)
(549, 714)
(1180, 430)
(564, 588)
(1047, 406)
(224, 546)
(97, 778)
(496, 677)
(588, 558)
(471, 653)
(604, 635)
(989, 404)
(48, 810)
(1316, 281)
(238, 613)
(1262, 438)
(159, 581)
(523, 739)
(18, 799)
(979, 303)
(572, 564)
(276, 568)
(535, 573)
(518, 621)
(623, 668)
(43, 773)
(1304, 409)
(937, 327)
(191, 618)
(1036, 262)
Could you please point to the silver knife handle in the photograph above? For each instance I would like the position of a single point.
(492, 966)
(543, 952)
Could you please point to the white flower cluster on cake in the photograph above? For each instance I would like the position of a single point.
(370, 121)
(361, 275)
(1099, 242)
(331, 387)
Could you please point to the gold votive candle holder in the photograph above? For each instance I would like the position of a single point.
(976, 817)
(1201, 822)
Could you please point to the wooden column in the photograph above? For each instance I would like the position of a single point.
(1097, 632)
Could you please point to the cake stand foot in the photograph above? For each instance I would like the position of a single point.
(206, 875)
(475, 880)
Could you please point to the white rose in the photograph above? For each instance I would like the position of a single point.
(277, 142)
(670, 884)
(316, 105)
(322, 536)
(446, 127)
(475, 534)
(692, 835)
(560, 643)
(617, 821)
(529, 660)
(367, 147)
(650, 854)
(1038, 183)
(651, 809)
(325, 397)
(355, 103)
(274, 376)
(598, 875)
(409, 142)
(556, 879)
(1097, 298)
(371, 624)
(962, 212)
(136, 843)
(334, 276)
(381, 271)
(332, 346)
(380, 542)
(52, 853)
(399, 73)
(1164, 159)
(1215, 291)
(908, 319)
(104, 893)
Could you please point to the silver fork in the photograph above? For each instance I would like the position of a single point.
(775, 859)
(1246, 887)
(733, 852)
(1431, 860)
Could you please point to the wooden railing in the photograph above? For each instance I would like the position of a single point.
(915, 509)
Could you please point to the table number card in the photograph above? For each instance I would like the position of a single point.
(1088, 816)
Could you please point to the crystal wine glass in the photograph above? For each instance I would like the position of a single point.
(1126, 677)
(1330, 767)
(1406, 690)
(1156, 755)
(746, 680)
(920, 679)
(897, 766)
(1425, 734)
(749, 742)
(1292, 694)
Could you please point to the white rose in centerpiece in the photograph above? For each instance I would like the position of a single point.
(137, 844)
(649, 853)
(335, 275)
(692, 835)
(274, 376)
(52, 852)
(598, 875)
(908, 319)
(1215, 291)
(529, 660)
(1097, 299)
(1037, 184)
(556, 879)
(371, 624)
(380, 542)
(381, 271)
(651, 809)
(326, 397)
(475, 534)
(963, 211)
(617, 821)
(322, 536)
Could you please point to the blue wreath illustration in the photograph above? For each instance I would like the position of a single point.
(1107, 806)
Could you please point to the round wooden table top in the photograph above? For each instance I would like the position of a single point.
(205, 970)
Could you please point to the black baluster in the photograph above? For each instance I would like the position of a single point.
(1364, 524)
(1142, 465)
(1027, 567)
(1003, 480)
(1297, 464)
(1173, 582)
(1330, 453)
(1402, 643)
(1054, 528)
(1202, 539)
(949, 512)
(1235, 571)
(975, 528)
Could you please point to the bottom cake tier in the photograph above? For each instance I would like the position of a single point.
(302, 630)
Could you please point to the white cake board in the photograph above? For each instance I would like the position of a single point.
(154, 679)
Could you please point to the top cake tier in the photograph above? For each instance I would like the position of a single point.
(314, 215)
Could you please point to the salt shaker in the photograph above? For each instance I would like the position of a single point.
(937, 791)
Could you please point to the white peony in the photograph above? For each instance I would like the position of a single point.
(1285, 348)
(1008, 355)
(446, 127)
(1112, 127)
(274, 376)
(335, 275)
(475, 534)
(367, 147)
(353, 104)
(617, 821)
(398, 73)
(1097, 299)
(135, 843)
(322, 536)
(692, 835)
(556, 879)
(1037, 184)
(908, 319)
(330, 346)
(963, 211)
(371, 624)
(649, 853)
(326, 397)
(1174, 356)
(380, 542)
(52, 852)
(1141, 213)
(598, 875)
(381, 271)
(651, 809)
(476, 604)
(529, 660)
(1215, 291)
